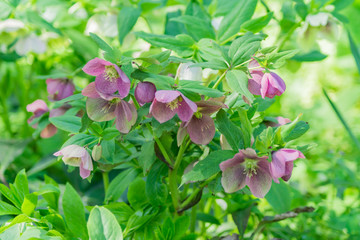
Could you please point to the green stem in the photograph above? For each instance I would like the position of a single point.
(193, 218)
(105, 176)
(219, 80)
(175, 195)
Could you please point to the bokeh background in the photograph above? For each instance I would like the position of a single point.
(49, 38)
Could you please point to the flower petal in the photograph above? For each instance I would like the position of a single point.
(260, 183)
(126, 116)
(105, 85)
(277, 165)
(49, 131)
(233, 178)
(100, 110)
(166, 96)
(186, 109)
(254, 83)
(84, 173)
(201, 130)
(181, 134)
(38, 107)
(145, 92)
(161, 112)
(123, 83)
(237, 159)
(288, 171)
(71, 151)
(90, 91)
(96, 66)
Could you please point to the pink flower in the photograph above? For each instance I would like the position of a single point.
(145, 92)
(100, 109)
(266, 84)
(167, 103)
(38, 107)
(246, 168)
(280, 121)
(59, 89)
(282, 165)
(77, 156)
(109, 77)
(201, 127)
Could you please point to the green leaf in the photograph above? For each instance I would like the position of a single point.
(231, 24)
(257, 24)
(18, 219)
(232, 133)
(120, 183)
(82, 45)
(238, 81)
(168, 229)
(241, 218)
(147, 156)
(36, 19)
(126, 20)
(202, 28)
(21, 184)
(121, 210)
(67, 123)
(196, 87)
(300, 129)
(278, 59)
(182, 224)
(155, 190)
(101, 43)
(355, 51)
(312, 56)
(80, 139)
(243, 48)
(6, 192)
(135, 194)
(173, 28)
(8, 209)
(279, 197)
(301, 9)
(206, 168)
(102, 225)
(29, 203)
(74, 213)
(204, 217)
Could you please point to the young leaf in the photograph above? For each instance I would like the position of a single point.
(29, 203)
(21, 185)
(155, 190)
(202, 28)
(238, 81)
(126, 20)
(257, 24)
(312, 56)
(135, 194)
(102, 225)
(8, 209)
(231, 132)
(195, 86)
(74, 213)
(67, 123)
(147, 156)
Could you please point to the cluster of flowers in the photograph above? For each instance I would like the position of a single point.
(106, 101)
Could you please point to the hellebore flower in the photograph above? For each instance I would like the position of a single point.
(59, 88)
(167, 103)
(145, 92)
(282, 164)
(109, 77)
(100, 109)
(77, 156)
(38, 107)
(186, 72)
(266, 84)
(201, 127)
(246, 168)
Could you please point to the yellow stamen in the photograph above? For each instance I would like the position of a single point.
(250, 167)
(110, 73)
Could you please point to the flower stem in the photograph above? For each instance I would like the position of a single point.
(193, 218)
(219, 80)
(105, 176)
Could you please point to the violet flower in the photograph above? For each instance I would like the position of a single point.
(100, 109)
(145, 92)
(266, 84)
(77, 156)
(246, 168)
(109, 77)
(59, 89)
(282, 164)
(201, 127)
(167, 103)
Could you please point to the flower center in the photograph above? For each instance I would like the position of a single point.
(250, 167)
(175, 103)
(198, 115)
(72, 161)
(110, 73)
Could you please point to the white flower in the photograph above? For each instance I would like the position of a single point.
(319, 19)
(186, 72)
(103, 25)
(31, 43)
(11, 25)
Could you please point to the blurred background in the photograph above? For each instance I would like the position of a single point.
(42, 39)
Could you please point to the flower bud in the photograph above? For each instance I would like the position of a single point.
(96, 152)
(145, 92)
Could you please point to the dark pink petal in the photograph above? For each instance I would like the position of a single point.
(260, 183)
(233, 178)
(271, 85)
(67, 90)
(161, 112)
(90, 91)
(236, 160)
(181, 134)
(288, 171)
(123, 83)
(290, 154)
(166, 96)
(264, 85)
(201, 130)
(96, 66)
(254, 83)
(49, 131)
(277, 166)
(126, 116)
(58, 111)
(100, 110)
(53, 85)
(277, 83)
(145, 92)
(186, 109)
(105, 85)
(38, 107)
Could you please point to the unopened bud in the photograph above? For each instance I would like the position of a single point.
(96, 152)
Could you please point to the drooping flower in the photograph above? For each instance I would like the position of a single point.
(167, 103)
(185, 71)
(266, 84)
(145, 92)
(100, 109)
(77, 156)
(201, 127)
(246, 168)
(282, 164)
(38, 107)
(109, 77)
(59, 89)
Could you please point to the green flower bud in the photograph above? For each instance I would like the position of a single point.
(96, 152)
